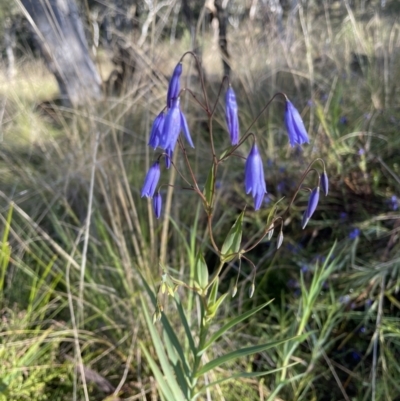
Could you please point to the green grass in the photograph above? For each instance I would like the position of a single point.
(71, 288)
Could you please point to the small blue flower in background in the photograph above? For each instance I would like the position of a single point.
(157, 204)
(354, 233)
(156, 130)
(231, 115)
(294, 125)
(356, 356)
(394, 202)
(304, 268)
(312, 205)
(343, 215)
(174, 85)
(361, 152)
(344, 299)
(151, 180)
(343, 120)
(254, 177)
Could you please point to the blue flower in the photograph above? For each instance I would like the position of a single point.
(394, 203)
(231, 115)
(157, 204)
(174, 123)
(324, 183)
(254, 177)
(174, 85)
(354, 233)
(151, 180)
(294, 125)
(312, 205)
(172, 127)
(156, 130)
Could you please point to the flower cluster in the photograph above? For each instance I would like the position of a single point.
(171, 122)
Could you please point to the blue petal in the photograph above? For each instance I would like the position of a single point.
(174, 85)
(231, 115)
(312, 202)
(157, 204)
(168, 157)
(171, 128)
(156, 130)
(325, 183)
(185, 130)
(151, 180)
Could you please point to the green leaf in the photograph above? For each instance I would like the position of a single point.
(201, 274)
(185, 324)
(243, 375)
(240, 353)
(162, 384)
(213, 293)
(227, 152)
(181, 375)
(165, 364)
(232, 242)
(230, 324)
(212, 309)
(209, 187)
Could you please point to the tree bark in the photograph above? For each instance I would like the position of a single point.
(63, 45)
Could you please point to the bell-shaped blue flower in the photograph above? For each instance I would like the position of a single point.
(231, 115)
(174, 123)
(156, 130)
(324, 183)
(254, 177)
(174, 85)
(172, 127)
(294, 125)
(312, 205)
(151, 180)
(157, 204)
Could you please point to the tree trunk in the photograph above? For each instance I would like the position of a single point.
(63, 45)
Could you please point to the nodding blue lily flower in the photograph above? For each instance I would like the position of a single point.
(174, 85)
(172, 127)
(174, 123)
(324, 183)
(157, 204)
(254, 177)
(312, 205)
(156, 130)
(294, 125)
(151, 180)
(231, 115)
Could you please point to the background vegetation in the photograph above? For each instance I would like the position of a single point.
(71, 319)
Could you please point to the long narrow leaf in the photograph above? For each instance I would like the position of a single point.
(165, 364)
(185, 323)
(244, 375)
(241, 353)
(162, 384)
(231, 323)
